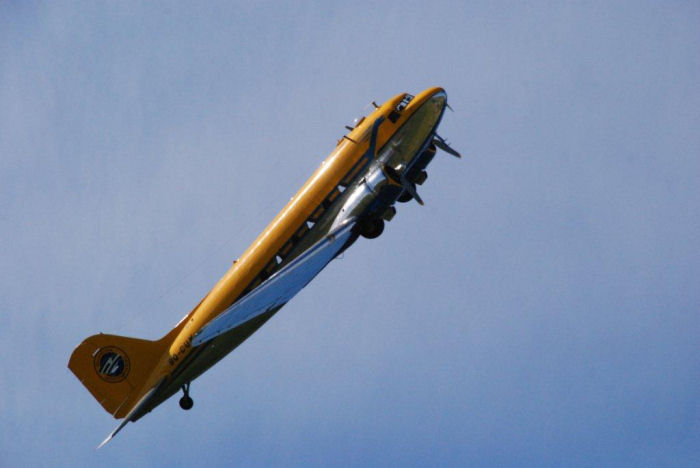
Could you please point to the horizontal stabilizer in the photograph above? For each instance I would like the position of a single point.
(140, 405)
(280, 287)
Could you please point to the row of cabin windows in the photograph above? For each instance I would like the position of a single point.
(274, 265)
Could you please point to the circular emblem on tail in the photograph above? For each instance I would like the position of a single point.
(112, 364)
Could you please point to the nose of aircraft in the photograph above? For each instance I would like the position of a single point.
(439, 100)
(439, 97)
(436, 99)
(432, 100)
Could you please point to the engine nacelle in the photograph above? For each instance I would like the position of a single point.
(369, 197)
(423, 160)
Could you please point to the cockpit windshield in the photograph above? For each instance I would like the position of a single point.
(404, 102)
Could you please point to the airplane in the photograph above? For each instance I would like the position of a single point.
(379, 162)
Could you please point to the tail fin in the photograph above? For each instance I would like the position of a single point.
(114, 368)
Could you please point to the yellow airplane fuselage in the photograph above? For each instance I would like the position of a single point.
(174, 360)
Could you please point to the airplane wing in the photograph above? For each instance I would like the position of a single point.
(280, 287)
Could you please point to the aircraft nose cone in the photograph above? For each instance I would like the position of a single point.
(438, 99)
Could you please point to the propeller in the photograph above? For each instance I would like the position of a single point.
(442, 144)
(399, 179)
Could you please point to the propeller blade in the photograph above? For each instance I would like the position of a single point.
(442, 144)
(410, 188)
(398, 179)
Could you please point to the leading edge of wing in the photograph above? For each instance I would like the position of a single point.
(280, 287)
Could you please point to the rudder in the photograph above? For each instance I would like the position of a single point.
(113, 367)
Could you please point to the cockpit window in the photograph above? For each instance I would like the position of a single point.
(404, 102)
(396, 112)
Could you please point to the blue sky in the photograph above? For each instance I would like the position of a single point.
(541, 309)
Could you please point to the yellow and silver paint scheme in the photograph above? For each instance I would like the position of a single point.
(344, 186)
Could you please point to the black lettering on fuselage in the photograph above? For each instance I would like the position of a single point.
(181, 352)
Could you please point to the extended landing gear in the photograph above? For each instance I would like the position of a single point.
(186, 402)
(371, 228)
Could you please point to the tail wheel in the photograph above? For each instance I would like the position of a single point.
(186, 403)
(371, 228)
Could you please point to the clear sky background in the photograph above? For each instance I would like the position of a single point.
(541, 309)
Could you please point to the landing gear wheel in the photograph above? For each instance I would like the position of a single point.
(186, 402)
(371, 228)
